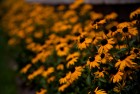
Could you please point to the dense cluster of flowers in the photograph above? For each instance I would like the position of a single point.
(73, 49)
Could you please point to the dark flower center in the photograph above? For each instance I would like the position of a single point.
(72, 69)
(113, 71)
(125, 29)
(104, 42)
(82, 40)
(97, 20)
(58, 42)
(136, 43)
(126, 68)
(70, 59)
(136, 51)
(62, 48)
(93, 38)
(62, 62)
(51, 44)
(91, 59)
(136, 17)
(70, 41)
(113, 29)
(77, 34)
(106, 31)
(101, 69)
(123, 57)
(102, 55)
(138, 23)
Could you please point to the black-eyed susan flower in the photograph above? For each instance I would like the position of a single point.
(99, 23)
(96, 16)
(51, 79)
(62, 49)
(99, 91)
(111, 16)
(127, 29)
(72, 61)
(93, 62)
(113, 30)
(83, 42)
(36, 73)
(60, 67)
(47, 72)
(66, 79)
(77, 73)
(42, 91)
(135, 15)
(128, 73)
(61, 7)
(135, 51)
(104, 58)
(100, 73)
(116, 77)
(85, 9)
(125, 61)
(106, 45)
(119, 87)
(63, 87)
(26, 68)
(95, 38)
(72, 58)
(76, 4)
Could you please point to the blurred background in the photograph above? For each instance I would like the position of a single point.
(10, 83)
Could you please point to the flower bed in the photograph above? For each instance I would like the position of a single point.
(71, 49)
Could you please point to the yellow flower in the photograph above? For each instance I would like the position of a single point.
(71, 61)
(95, 38)
(51, 79)
(117, 77)
(98, 23)
(71, 76)
(93, 62)
(72, 58)
(99, 91)
(126, 28)
(12, 42)
(61, 7)
(48, 72)
(62, 49)
(38, 34)
(106, 45)
(85, 9)
(95, 16)
(129, 31)
(111, 16)
(36, 73)
(119, 87)
(60, 67)
(125, 61)
(136, 52)
(83, 42)
(42, 91)
(75, 54)
(100, 73)
(76, 4)
(25, 69)
(66, 79)
(77, 73)
(135, 14)
(63, 87)
(104, 57)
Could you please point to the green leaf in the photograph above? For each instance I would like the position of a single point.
(102, 80)
(88, 80)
